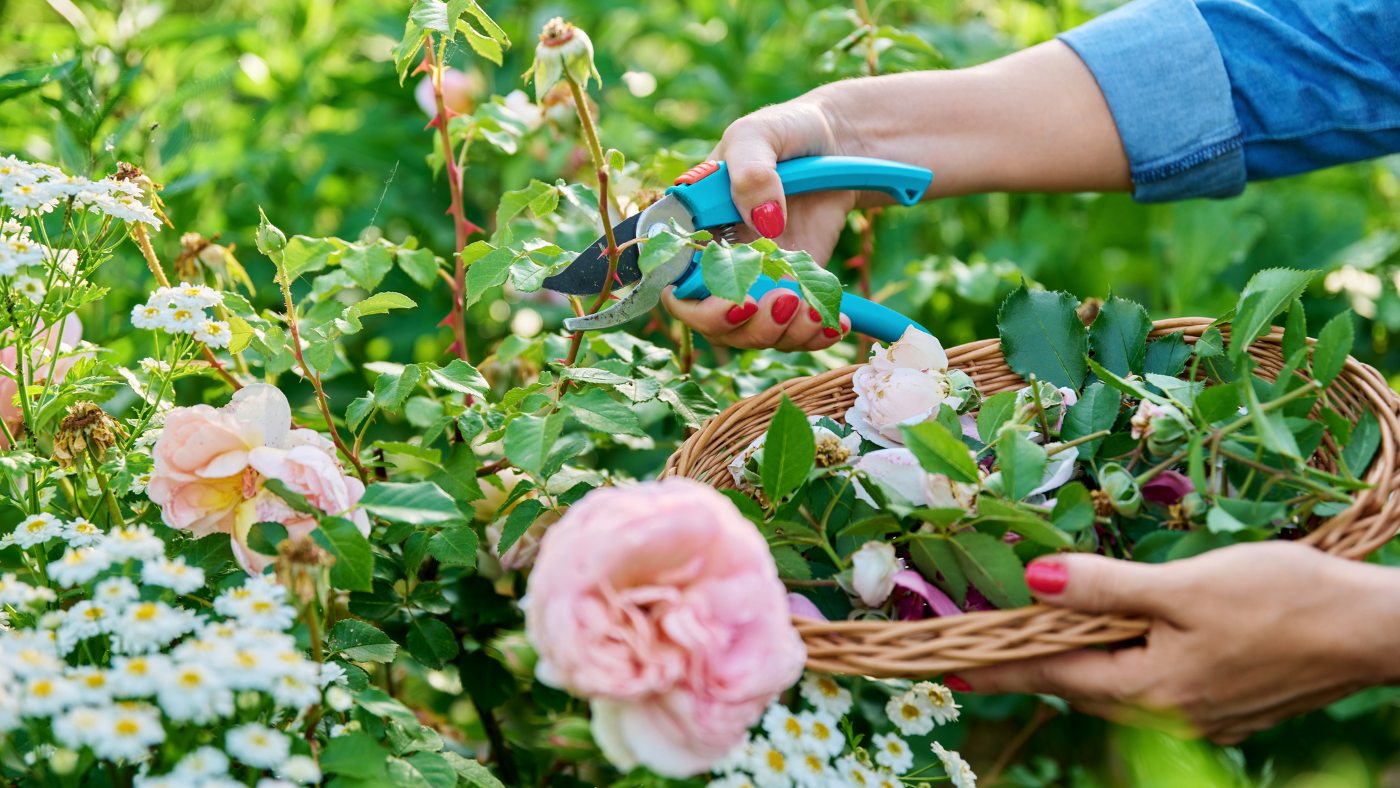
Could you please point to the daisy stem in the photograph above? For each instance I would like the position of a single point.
(114, 510)
(143, 240)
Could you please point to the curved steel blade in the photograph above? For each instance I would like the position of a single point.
(586, 274)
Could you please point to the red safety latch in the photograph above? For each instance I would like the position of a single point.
(701, 170)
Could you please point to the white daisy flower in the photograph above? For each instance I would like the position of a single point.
(91, 683)
(138, 676)
(772, 768)
(214, 333)
(821, 734)
(255, 609)
(855, 774)
(46, 696)
(733, 780)
(15, 593)
(126, 207)
(81, 726)
(37, 529)
(911, 712)
(86, 619)
(887, 779)
(202, 764)
(130, 730)
(959, 773)
(79, 565)
(147, 626)
(173, 574)
(257, 746)
(301, 769)
(248, 669)
(194, 693)
(332, 673)
(114, 592)
(811, 770)
(196, 296)
(183, 320)
(24, 252)
(822, 691)
(31, 288)
(339, 699)
(139, 483)
(292, 691)
(32, 654)
(137, 542)
(783, 728)
(81, 533)
(152, 367)
(940, 698)
(892, 753)
(149, 316)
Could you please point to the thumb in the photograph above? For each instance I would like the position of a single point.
(756, 188)
(1096, 584)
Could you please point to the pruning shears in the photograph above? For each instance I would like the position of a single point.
(700, 200)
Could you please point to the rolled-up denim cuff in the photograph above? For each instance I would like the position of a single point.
(1161, 72)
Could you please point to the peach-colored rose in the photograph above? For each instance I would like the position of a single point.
(903, 385)
(47, 342)
(662, 604)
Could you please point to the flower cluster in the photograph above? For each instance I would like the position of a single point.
(805, 750)
(180, 310)
(30, 189)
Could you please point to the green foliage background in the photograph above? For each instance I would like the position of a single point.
(294, 106)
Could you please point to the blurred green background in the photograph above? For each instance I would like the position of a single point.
(295, 106)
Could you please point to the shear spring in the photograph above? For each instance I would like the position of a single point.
(729, 233)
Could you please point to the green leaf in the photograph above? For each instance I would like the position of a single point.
(595, 375)
(789, 451)
(355, 755)
(729, 271)
(1365, 439)
(457, 475)
(421, 265)
(1334, 343)
(1118, 336)
(1022, 464)
(512, 203)
(1182, 391)
(353, 569)
(481, 44)
(1266, 295)
(391, 390)
(595, 409)
(1257, 514)
(461, 377)
(1273, 432)
(1096, 410)
(1210, 345)
(358, 411)
(488, 24)
(640, 389)
(472, 771)
(939, 451)
(1218, 402)
(1295, 332)
(379, 303)
(1041, 335)
(821, 289)
(995, 411)
(790, 563)
(1023, 522)
(1074, 508)
(993, 568)
(455, 546)
(1219, 521)
(935, 555)
(17, 83)
(1338, 425)
(529, 439)
(521, 518)
(367, 265)
(320, 354)
(690, 403)
(380, 704)
(412, 503)
(431, 642)
(1167, 355)
(263, 538)
(616, 160)
(361, 642)
(659, 249)
(304, 255)
(488, 272)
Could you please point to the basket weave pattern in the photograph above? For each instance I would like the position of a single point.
(938, 645)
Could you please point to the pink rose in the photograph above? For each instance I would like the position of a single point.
(54, 341)
(662, 604)
(903, 385)
(198, 475)
(459, 92)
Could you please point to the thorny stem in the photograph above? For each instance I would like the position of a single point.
(315, 378)
(494, 467)
(1093, 436)
(596, 151)
(1220, 434)
(687, 350)
(460, 225)
(1151, 473)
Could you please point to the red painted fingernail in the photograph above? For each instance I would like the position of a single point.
(784, 307)
(768, 219)
(830, 333)
(1047, 577)
(750, 309)
(738, 314)
(815, 315)
(956, 684)
(845, 325)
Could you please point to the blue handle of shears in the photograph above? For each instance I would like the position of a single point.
(710, 204)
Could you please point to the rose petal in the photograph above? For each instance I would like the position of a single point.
(1167, 488)
(802, 606)
(939, 601)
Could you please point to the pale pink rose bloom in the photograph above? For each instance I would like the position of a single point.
(55, 341)
(309, 471)
(662, 603)
(873, 568)
(267, 508)
(804, 607)
(903, 385)
(199, 461)
(521, 555)
(899, 472)
(459, 92)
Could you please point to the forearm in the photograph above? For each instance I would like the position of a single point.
(1033, 121)
(1370, 608)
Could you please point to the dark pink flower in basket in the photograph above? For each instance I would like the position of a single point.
(913, 591)
(1167, 488)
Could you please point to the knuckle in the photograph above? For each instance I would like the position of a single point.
(750, 176)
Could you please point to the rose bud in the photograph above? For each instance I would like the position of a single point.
(563, 49)
(571, 740)
(1121, 489)
(873, 568)
(513, 650)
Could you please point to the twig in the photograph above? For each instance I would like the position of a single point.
(1043, 714)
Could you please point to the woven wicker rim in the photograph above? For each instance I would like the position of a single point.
(938, 645)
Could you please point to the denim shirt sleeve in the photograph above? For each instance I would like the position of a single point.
(1208, 94)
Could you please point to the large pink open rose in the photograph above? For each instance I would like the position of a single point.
(661, 603)
(210, 464)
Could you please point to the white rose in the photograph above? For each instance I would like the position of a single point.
(903, 385)
(873, 568)
(898, 471)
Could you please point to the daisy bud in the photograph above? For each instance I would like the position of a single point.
(570, 739)
(339, 699)
(563, 49)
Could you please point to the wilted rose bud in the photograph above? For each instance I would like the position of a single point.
(1168, 432)
(303, 567)
(570, 739)
(86, 428)
(513, 650)
(1167, 488)
(563, 49)
(1121, 489)
(270, 239)
(962, 387)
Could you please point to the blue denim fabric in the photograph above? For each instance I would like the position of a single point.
(1208, 94)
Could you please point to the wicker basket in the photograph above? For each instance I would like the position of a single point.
(938, 645)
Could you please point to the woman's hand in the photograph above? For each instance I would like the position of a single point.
(1242, 638)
